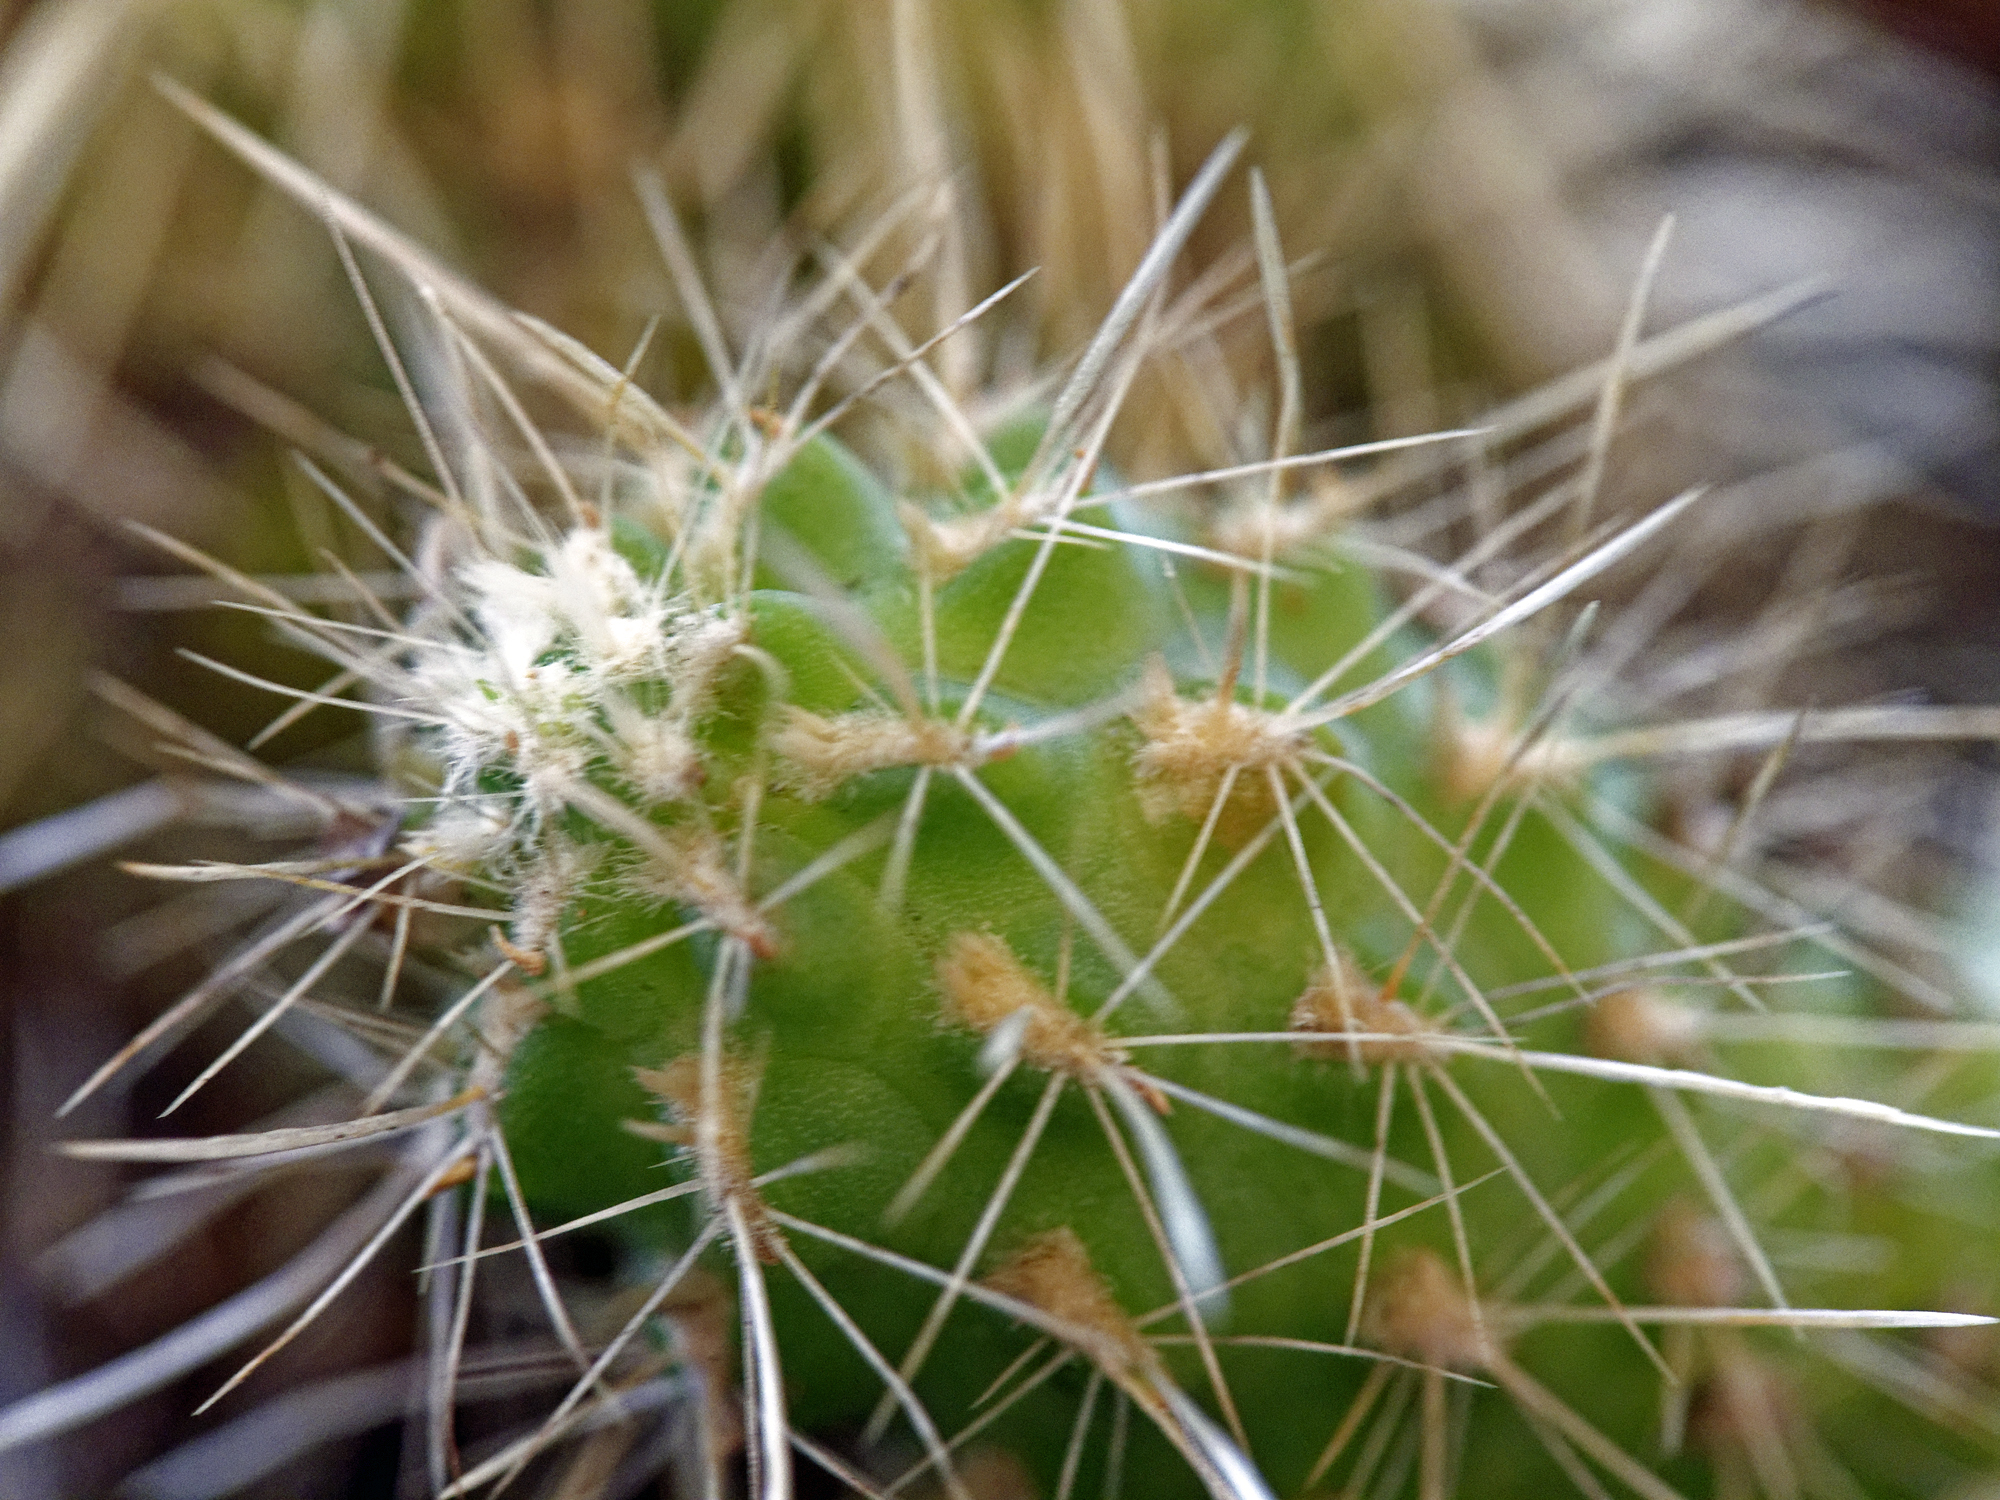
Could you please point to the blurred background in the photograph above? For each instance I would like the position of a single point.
(1468, 188)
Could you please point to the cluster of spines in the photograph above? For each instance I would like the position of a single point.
(532, 689)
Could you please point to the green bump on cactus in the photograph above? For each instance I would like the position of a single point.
(1112, 920)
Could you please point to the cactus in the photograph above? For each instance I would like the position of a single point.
(1061, 984)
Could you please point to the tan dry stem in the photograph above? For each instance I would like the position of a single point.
(818, 755)
(1053, 1274)
(1190, 746)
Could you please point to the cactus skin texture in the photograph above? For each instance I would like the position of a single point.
(924, 923)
